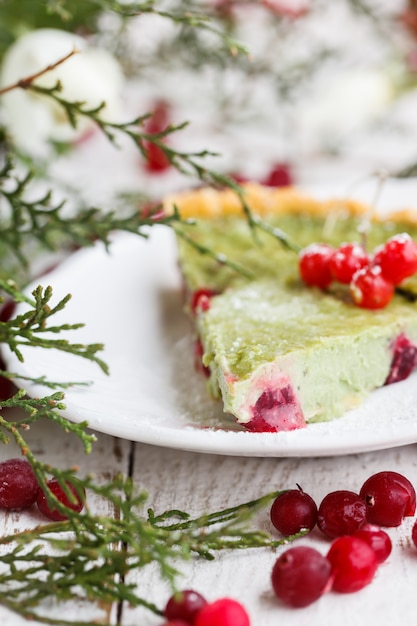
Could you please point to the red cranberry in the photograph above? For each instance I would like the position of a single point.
(184, 605)
(152, 211)
(404, 359)
(377, 539)
(279, 176)
(409, 18)
(7, 309)
(341, 513)
(414, 534)
(57, 490)
(293, 511)
(346, 260)
(223, 612)
(276, 409)
(18, 485)
(397, 258)
(200, 300)
(389, 497)
(353, 563)
(314, 265)
(7, 386)
(300, 576)
(369, 289)
(284, 9)
(156, 160)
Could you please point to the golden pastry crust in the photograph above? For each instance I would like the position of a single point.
(209, 203)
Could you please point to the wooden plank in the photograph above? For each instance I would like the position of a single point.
(50, 444)
(201, 483)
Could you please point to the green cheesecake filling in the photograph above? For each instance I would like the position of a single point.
(261, 254)
(280, 354)
(332, 352)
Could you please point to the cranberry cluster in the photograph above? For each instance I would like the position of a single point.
(371, 278)
(353, 522)
(190, 608)
(19, 489)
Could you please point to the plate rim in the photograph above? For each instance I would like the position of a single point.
(205, 440)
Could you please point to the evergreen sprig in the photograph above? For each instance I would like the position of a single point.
(88, 556)
(46, 223)
(32, 327)
(39, 218)
(184, 14)
(33, 410)
(188, 163)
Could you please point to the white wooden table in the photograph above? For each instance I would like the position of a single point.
(200, 483)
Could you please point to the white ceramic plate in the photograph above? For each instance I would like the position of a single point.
(130, 299)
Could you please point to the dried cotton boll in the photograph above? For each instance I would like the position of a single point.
(91, 76)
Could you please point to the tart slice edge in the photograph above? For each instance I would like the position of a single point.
(278, 354)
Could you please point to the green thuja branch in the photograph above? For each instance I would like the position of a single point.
(187, 163)
(43, 220)
(32, 327)
(183, 16)
(33, 410)
(255, 222)
(88, 556)
(219, 257)
(46, 221)
(73, 16)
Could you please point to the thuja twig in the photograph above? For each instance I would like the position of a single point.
(43, 220)
(219, 257)
(24, 83)
(255, 222)
(94, 548)
(182, 17)
(88, 556)
(32, 410)
(30, 327)
(185, 162)
(43, 380)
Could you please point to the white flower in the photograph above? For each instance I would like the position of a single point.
(91, 76)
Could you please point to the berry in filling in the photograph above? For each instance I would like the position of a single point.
(276, 410)
(404, 359)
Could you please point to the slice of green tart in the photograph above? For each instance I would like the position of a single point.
(277, 353)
